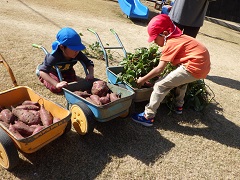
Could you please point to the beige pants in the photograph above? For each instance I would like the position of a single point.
(178, 78)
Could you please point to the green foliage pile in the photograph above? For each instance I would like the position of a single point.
(138, 64)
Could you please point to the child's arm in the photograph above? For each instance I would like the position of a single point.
(90, 75)
(88, 63)
(153, 73)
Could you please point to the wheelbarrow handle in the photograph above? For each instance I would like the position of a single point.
(91, 30)
(40, 47)
(36, 46)
(120, 42)
(2, 60)
(104, 48)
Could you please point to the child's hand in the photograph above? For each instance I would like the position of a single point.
(140, 81)
(61, 84)
(89, 77)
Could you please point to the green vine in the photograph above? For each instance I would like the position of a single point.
(94, 50)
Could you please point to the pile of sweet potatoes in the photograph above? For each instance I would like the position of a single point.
(26, 119)
(99, 94)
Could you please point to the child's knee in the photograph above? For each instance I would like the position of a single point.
(55, 90)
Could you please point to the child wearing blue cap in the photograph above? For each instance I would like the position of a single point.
(65, 49)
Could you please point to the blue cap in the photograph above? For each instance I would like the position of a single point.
(68, 37)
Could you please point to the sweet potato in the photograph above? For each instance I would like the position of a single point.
(83, 94)
(46, 116)
(4, 124)
(90, 100)
(7, 116)
(105, 99)
(23, 128)
(100, 88)
(28, 107)
(113, 97)
(29, 117)
(1, 108)
(95, 99)
(34, 126)
(55, 119)
(29, 102)
(37, 129)
(14, 132)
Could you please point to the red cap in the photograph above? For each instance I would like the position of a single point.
(161, 23)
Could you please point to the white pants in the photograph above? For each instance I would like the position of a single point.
(178, 78)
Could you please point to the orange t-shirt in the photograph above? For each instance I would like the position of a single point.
(189, 52)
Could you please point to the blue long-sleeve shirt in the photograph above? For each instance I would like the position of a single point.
(57, 57)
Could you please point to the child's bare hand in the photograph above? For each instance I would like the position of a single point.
(89, 77)
(61, 84)
(140, 81)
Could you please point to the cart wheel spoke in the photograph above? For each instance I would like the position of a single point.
(83, 120)
(9, 157)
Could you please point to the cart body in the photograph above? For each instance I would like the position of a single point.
(17, 95)
(105, 112)
(142, 94)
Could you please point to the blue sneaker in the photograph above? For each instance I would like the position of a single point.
(139, 118)
(178, 110)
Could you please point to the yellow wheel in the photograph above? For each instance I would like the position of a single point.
(83, 120)
(8, 152)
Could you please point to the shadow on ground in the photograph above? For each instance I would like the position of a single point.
(216, 126)
(84, 157)
(215, 37)
(231, 83)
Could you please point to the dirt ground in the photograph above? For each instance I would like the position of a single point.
(196, 145)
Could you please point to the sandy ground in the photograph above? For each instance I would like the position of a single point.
(194, 146)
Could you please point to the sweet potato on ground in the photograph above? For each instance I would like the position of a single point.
(7, 116)
(100, 88)
(45, 116)
(29, 117)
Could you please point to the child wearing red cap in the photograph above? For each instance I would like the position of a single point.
(189, 55)
(65, 49)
